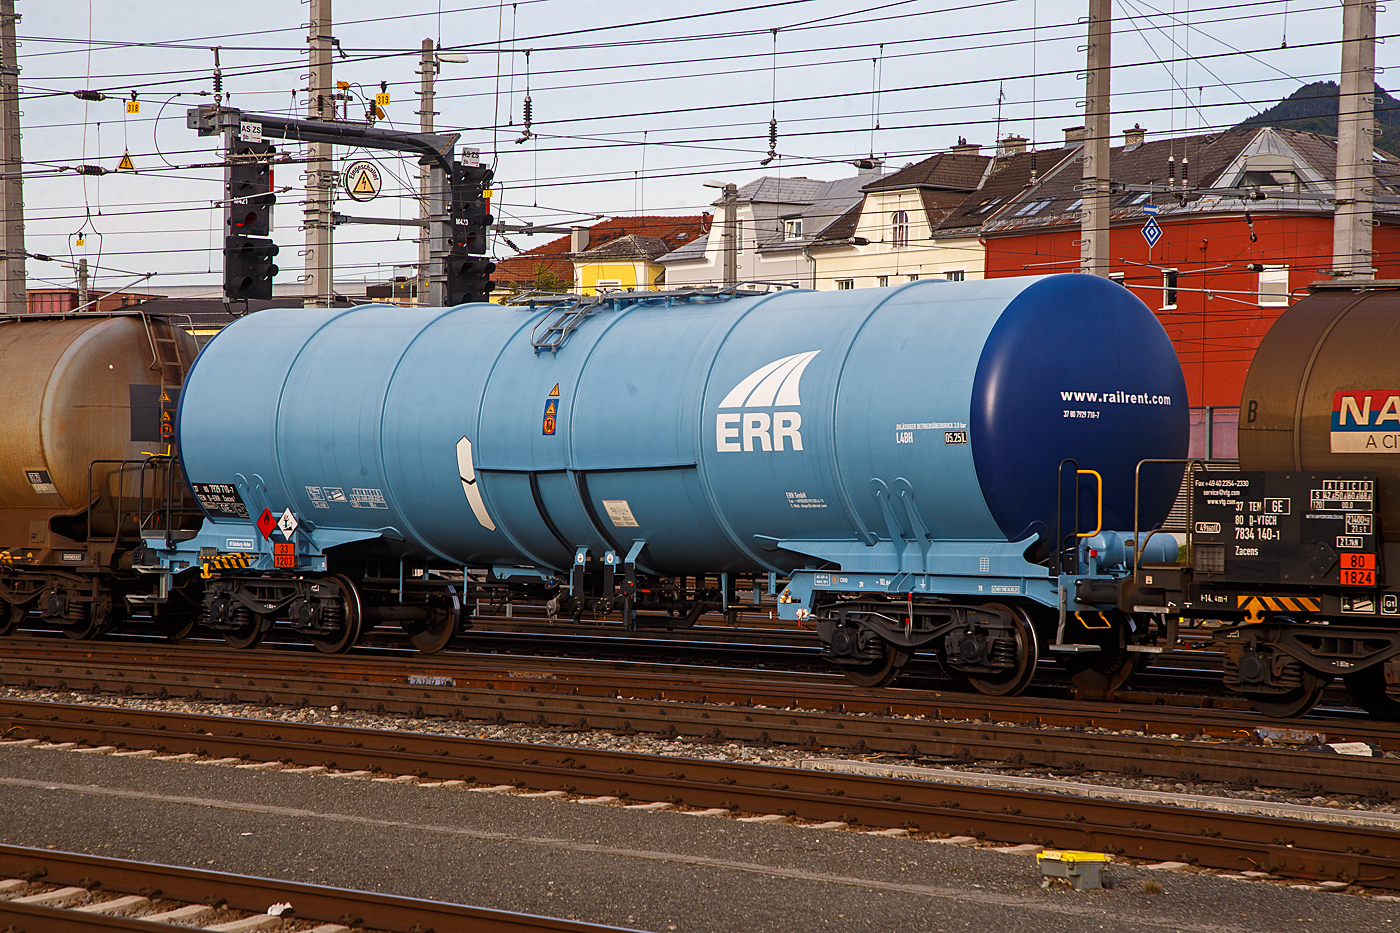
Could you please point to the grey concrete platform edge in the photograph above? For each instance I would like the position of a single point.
(1076, 789)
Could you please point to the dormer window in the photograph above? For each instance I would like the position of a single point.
(899, 229)
(1277, 172)
(792, 228)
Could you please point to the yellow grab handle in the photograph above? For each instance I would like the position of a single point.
(1099, 526)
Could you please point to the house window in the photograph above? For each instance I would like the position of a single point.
(914, 277)
(882, 281)
(1168, 289)
(899, 229)
(957, 275)
(792, 228)
(739, 234)
(844, 284)
(1033, 207)
(1273, 285)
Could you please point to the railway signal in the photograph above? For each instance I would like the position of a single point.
(468, 271)
(249, 268)
(248, 189)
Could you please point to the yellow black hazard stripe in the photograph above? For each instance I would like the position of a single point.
(233, 561)
(1256, 606)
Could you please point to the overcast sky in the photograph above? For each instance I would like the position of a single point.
(631, 114)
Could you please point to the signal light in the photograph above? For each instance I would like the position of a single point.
(248, 268)
(248, 190)
(471, 212)
(468, 279)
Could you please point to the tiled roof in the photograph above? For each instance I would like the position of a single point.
(771, 189)
(628, 247)
(956, 170)
(1005, 205)
(843, 227)
(939, 204)
(556, 257)
(1008, 179)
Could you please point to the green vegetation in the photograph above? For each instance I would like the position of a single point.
(1314, 107)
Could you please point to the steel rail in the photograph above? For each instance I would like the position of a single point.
(713, 717)
(247, 893)
(392, 663)
(438, 678)
(1229, 840)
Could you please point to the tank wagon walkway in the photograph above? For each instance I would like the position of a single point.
(642, 870)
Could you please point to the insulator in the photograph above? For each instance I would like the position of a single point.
(1185, 171)
(773, 137)
(1171, 171)
(528, 114)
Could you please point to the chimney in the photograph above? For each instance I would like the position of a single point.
(578, 239)
(964, 147)
(1133, 138)
(1075, 134)
(1012, 145)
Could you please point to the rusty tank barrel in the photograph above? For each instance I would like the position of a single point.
(70, 383)
(1323, 391)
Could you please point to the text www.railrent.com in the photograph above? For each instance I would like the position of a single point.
(1118, 398)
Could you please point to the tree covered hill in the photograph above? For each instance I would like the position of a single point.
(1314, 107)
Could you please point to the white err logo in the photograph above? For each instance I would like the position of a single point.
(771, 386)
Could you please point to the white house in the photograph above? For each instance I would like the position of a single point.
(780, 221)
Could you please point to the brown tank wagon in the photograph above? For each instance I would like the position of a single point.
(1338, 351)
(86, 461)
(1298, 553)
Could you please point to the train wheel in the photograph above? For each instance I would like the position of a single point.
(343, 639)
(881, 672)
(1367, 690)
(11, 615)
(178, 616)
(97, 617)
(1098, 674)
(1011, 682)
(177, 625)
(1295, 702)
(959, 679)
(431, 635)
(248, 629)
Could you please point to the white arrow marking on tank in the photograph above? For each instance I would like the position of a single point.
(467, 474)
(774, 384)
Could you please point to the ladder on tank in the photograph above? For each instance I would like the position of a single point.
(170, 360)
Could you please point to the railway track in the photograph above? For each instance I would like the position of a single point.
(43, 890)
(1288, 846)
(780, 709)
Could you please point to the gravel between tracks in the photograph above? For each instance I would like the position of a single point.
(655, 745)
(656, 871)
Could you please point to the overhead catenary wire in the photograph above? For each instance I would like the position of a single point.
(826, 119)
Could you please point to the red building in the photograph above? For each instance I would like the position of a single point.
(1245, 228)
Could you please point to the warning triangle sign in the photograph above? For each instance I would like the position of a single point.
(363, 185)
(554, 393)
(126, 165)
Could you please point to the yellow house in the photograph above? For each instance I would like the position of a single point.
(627, 263)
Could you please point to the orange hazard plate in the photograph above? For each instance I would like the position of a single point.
(1352, 577)
(284, 554)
